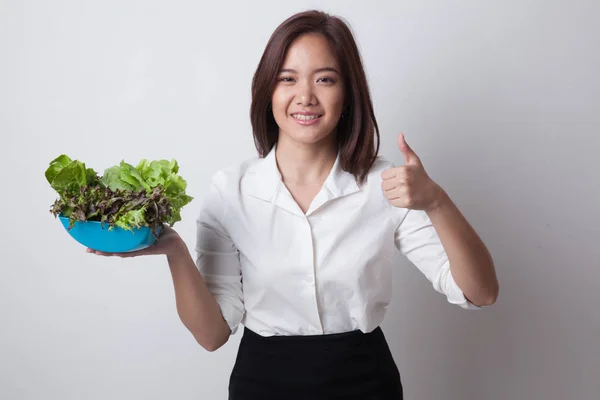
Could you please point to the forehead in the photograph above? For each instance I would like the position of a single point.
(310, 51)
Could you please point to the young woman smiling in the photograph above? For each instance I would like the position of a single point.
(297, 244)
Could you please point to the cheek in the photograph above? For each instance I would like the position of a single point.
(335, 102)
(280, 102)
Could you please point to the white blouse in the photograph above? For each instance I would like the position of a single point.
(279, 271)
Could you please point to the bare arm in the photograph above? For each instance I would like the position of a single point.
(470, 261)
(196, 306)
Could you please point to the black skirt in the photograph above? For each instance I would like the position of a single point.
(351, 365)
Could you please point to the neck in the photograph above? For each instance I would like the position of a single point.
(304, 165)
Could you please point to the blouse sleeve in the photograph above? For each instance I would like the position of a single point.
(418, 240)
(217, 257)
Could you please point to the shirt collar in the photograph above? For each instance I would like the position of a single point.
(265, 180)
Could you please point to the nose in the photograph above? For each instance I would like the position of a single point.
(306, 95)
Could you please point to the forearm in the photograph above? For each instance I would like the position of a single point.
(196, 306)
(471, 264)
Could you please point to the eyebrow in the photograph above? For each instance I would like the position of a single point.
(323, 69)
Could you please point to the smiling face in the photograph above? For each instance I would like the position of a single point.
(309, 96)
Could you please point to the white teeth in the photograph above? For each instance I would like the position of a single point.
(302, 117)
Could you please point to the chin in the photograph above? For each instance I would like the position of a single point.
(307, 134)
(307, 137)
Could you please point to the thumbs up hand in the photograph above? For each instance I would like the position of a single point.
(409, 186)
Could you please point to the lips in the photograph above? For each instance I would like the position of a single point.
(306, 119)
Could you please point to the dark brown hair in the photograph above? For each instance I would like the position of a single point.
(357, 131)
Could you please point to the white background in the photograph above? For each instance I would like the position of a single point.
(500, 100)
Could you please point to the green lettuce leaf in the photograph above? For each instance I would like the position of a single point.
(124, 177)
(66, 175)
(55, 166)
(132, 219)
(163, 173)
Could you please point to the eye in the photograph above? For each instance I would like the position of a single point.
(326, 79)
(286, 79)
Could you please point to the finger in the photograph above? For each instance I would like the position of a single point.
(400, 174)
(400, 190)
(143, 252)
(127, 254)
(389, 173)
(393, 194)
(98, 253)
(409, 155)
(389, 184)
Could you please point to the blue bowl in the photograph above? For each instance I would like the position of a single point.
(94, 235)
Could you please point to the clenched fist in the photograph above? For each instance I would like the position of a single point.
(409, 186)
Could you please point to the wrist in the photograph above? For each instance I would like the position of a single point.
(176, 250)
(440, 200)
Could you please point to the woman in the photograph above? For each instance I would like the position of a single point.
(297, 244)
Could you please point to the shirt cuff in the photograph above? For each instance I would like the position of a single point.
(232, 314)
(455, 295)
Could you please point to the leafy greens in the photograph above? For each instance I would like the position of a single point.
(125, 196)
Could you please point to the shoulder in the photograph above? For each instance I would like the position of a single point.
(381, 164)
(229, 177)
